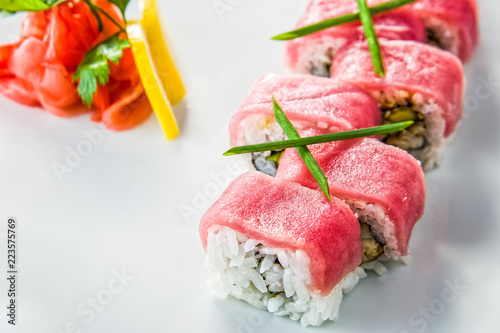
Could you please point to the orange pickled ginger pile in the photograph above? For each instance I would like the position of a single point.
(37, 70)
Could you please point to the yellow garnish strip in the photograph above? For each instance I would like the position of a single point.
(163, 62)
(150, 80)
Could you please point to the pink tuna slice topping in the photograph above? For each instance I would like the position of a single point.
(410, 66)
(307, 98)
(370, 171)
(286, 215)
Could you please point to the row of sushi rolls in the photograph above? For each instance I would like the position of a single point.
(273, 239)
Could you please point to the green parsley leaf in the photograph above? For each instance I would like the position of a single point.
(94, 67)
(13, 6)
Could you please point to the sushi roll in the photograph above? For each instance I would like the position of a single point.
(450, 25)
(282, 247)
(422, 83)
(313, 54)
(383, 185)
(308, 101)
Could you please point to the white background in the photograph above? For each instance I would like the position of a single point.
(120, 209)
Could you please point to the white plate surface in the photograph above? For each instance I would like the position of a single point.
(119, 212)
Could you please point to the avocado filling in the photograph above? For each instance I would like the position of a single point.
(267, 162)
(412, 138)
(372, 249)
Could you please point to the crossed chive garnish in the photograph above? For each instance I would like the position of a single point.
(300, 144)
(365, 15)
(348, 18)
(304, 152)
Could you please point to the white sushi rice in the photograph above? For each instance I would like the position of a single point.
(446, 34)
(260, 128)
(382, 229)
(317, 57)
(271, 279)
(432, 153)
(381, 225)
